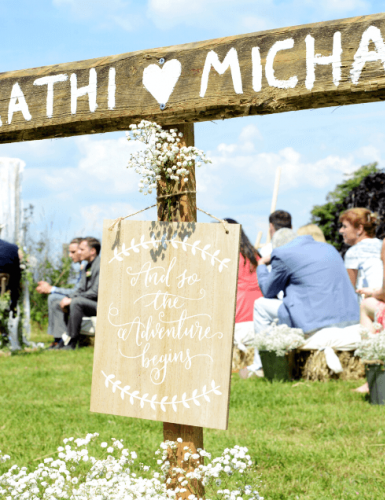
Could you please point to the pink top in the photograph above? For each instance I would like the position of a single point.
(248, 291)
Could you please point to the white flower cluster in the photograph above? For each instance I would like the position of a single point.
(76, 475)
(164, 157)
(4, 458)
(233, 461)
(372, 348)
(279, 339)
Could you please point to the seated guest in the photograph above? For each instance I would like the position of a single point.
(373, 304)
(56, 294)
(277, 220)
(83, 301)
(314, 231)
(363, 260)
(10, 264)
(317, 290)
(248, 290)
(372, 309)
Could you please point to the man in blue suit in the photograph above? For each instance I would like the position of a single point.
(317, 289)
(10, 264)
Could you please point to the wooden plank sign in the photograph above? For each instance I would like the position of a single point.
(165, 322)
(300, 67)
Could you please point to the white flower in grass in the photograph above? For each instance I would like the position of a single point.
(104, 445)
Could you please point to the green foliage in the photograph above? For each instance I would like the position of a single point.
(55, 273)
(308, 439)
(324, 215)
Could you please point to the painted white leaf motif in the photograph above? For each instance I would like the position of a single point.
(142, 401)
(160, 81)
(116, 255)
(124, 251)
(194, 247)
(184, 401)
(162, 407)
(115, 385)
(213, 257)
(135, 393)
(173, 241)
(223, 264)
(133, 247)
(125, 390)
(194, 395)
(215, 390)
(163, 242)
(109, 379)
(184, 243)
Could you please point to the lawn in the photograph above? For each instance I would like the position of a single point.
(310, 440)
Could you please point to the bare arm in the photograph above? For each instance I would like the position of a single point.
(378, 294)
(353, 273)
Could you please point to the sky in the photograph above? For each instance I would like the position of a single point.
(74, 183)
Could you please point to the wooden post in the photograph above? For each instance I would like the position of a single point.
(275, 197)
(181, 208)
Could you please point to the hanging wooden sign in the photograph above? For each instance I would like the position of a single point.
(299, 67)
(165, 322)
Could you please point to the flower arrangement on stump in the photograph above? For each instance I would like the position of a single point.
(117, 474)
(164, 160)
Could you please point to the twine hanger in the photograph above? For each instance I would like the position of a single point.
(119, 219)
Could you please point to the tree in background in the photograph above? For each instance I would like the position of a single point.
(363, 188)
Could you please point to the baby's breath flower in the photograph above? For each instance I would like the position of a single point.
(162, 157)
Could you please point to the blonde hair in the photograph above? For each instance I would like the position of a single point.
(314, 231)
(361, 217)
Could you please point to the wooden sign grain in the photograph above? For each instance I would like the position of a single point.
(311, 66)
(165, 322)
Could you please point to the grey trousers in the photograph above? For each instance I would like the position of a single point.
(72, 321)
(79, 307)
(56, 322)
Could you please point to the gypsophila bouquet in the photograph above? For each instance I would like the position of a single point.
(372, 348)
(164, 158)
(279, 339)
(118, 474)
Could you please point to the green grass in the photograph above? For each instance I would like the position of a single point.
(310, 440)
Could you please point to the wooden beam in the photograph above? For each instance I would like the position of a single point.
(301, 67)
(176, 209)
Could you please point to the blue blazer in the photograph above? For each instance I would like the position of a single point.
(10, 264)
(317, 289)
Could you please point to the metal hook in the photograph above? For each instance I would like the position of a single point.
(162, 106)
(162, 60)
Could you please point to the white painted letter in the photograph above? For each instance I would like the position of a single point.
(312, 59)
(363, 55)
(90, 90)
(269, 70)
(256, 68)
(18, 103)
(111, 88)
(49, 81)
(231, 60)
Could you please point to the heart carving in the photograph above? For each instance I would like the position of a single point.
(160, 81)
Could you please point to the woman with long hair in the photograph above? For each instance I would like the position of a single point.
(248, 291)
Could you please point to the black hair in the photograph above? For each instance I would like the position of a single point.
(280, 219)
(248, 252)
